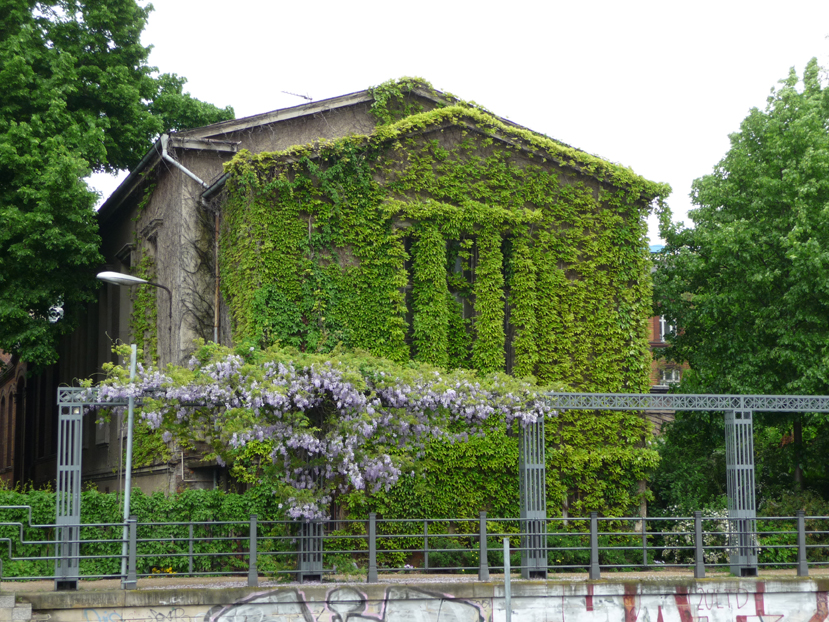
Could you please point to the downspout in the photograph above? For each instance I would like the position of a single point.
(165, 138)
(217, 276)
(167, 157)
(216, 270)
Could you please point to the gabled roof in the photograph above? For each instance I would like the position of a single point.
(212, 137)
(202, 137)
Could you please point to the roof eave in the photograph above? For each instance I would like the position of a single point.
(133, 180)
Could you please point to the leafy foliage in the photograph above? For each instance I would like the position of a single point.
(414, 241)
(334, 424)
(212, 553)
(76, 96)
(748, 285)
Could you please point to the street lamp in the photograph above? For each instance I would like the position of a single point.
(116, 278)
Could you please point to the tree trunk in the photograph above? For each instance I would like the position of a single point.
(798, 451)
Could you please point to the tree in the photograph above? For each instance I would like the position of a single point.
(748, 285)
(76, 96)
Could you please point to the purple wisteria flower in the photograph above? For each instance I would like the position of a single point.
(332, 426)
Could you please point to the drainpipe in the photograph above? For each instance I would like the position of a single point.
(167, 157)
(217, 277)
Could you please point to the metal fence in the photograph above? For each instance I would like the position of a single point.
(301, 551)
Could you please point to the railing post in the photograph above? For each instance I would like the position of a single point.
(372, 548)
(645, 563)
(190, 552)
(131, 580)
(802, 564)
(483, 562)
(699, 553)
(595, 572)
(426, 545)
(253, 572)
(507, 587)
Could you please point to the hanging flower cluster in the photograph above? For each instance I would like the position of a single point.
(334, 423)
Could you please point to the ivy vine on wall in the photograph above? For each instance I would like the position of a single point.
(420, 240)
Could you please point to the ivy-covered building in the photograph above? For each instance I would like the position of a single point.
(398, 220)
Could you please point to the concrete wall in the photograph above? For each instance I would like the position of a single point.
(712, 600)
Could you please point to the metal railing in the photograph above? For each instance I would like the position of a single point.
(253, 548)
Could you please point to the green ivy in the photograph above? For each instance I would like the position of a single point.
(488, 347)
(429, 296)
(413, 241)
(524, 300)
(144, 317)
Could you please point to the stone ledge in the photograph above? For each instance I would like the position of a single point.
(206, 595)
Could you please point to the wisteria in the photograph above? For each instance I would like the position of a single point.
(350, 422)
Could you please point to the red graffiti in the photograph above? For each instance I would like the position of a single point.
(630, 603)
(822, 608)
(682, 604)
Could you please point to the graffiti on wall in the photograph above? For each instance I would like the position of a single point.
(347, 604)
(721, 602)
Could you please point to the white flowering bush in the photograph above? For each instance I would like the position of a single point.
(334, 423)
(715, 529)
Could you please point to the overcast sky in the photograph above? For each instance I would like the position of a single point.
(656, 86)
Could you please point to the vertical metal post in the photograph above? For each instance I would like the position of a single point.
(742, 514)
(699, 553)
(372, 548)
(507, 587)
(68, 510)
(483, 562)
(802, 564)
(426, 545)
(190, 552)
(128, 465)
(595, 571)
(645, 563)
(532, 483)
(253, 573)
(131, 578)
(310, 551)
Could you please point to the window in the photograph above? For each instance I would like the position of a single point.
(671, 375)
(665, 329)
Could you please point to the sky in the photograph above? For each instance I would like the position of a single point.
(655, 86)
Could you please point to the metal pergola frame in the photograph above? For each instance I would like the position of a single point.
(739, 447)
(71, 404)
(739, 439)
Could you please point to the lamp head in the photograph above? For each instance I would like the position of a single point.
(116, 278)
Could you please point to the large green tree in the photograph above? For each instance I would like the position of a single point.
(76, 96)
(748, 285)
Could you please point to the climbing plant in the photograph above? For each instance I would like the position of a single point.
(451, 237)
(144, 316)
(330, 424)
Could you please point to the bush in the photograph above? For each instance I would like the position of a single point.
(212, 554)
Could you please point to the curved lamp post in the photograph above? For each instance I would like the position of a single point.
(117, 278)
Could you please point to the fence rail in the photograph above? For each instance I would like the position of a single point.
(253, 548)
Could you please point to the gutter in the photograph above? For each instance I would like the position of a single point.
(136, 176)
(155, 154)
